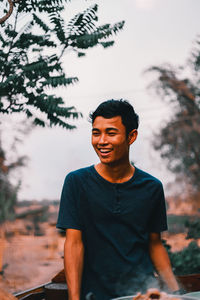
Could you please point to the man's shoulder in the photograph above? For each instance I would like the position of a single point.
(79, 173)
(145, 176)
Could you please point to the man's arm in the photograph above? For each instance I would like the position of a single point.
(161, 262)
(73, 262)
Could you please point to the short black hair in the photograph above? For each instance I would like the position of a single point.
(112, 108)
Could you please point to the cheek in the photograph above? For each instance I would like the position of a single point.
(94, 142)
(120, 143)
(122, 147)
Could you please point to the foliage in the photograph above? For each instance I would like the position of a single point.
(8, 198)
(8, 192)
(178, 141)
(33, 42)
(176, 223)
(186, 261)
(30, 58)
(193, 229)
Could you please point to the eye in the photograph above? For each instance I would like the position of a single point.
(112, 133)
(95, 133)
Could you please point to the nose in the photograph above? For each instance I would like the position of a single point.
(102, 139)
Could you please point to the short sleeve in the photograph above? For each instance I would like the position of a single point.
(159, 216)
(68, 216)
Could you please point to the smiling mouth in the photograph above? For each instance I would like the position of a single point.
(104, 151)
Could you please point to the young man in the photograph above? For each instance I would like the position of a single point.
(113, 214)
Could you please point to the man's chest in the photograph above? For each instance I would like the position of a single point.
(128, 205)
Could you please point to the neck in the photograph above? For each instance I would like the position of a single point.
(116, 173)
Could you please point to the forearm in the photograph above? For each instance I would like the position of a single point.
(161, 262)
(73, 263)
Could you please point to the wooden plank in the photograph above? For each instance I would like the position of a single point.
(34, 296)
(37, 289)
(59, 277)
(190, 283)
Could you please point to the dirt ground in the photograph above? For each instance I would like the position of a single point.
(30, 260)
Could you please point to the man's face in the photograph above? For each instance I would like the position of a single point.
(109, 140)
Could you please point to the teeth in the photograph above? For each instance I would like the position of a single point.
(104, 150)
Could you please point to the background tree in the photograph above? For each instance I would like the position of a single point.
(10, 163)
(179, 140)
(31, 53)
(33, 41)
(8, 193)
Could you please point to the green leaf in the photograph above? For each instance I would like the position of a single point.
(107, 44)
(39, 122)
(40, 23)
(80, 54)
(59, 26)
(28, 113)
(56, 81)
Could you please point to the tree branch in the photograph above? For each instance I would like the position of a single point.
(3, 19)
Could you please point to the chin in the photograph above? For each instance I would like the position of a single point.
(105, 161)
(110, 163)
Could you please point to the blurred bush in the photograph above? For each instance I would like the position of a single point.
(186, 261)
(8, 192)
(183, 223)
(193, 229)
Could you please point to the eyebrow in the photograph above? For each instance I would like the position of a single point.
(107, 129)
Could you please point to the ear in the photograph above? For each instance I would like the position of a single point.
(132, 136)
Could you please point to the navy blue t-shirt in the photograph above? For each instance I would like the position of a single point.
(115, 220)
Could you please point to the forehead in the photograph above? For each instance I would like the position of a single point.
(115, 122)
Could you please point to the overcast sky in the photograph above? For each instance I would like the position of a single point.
(155, 32)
